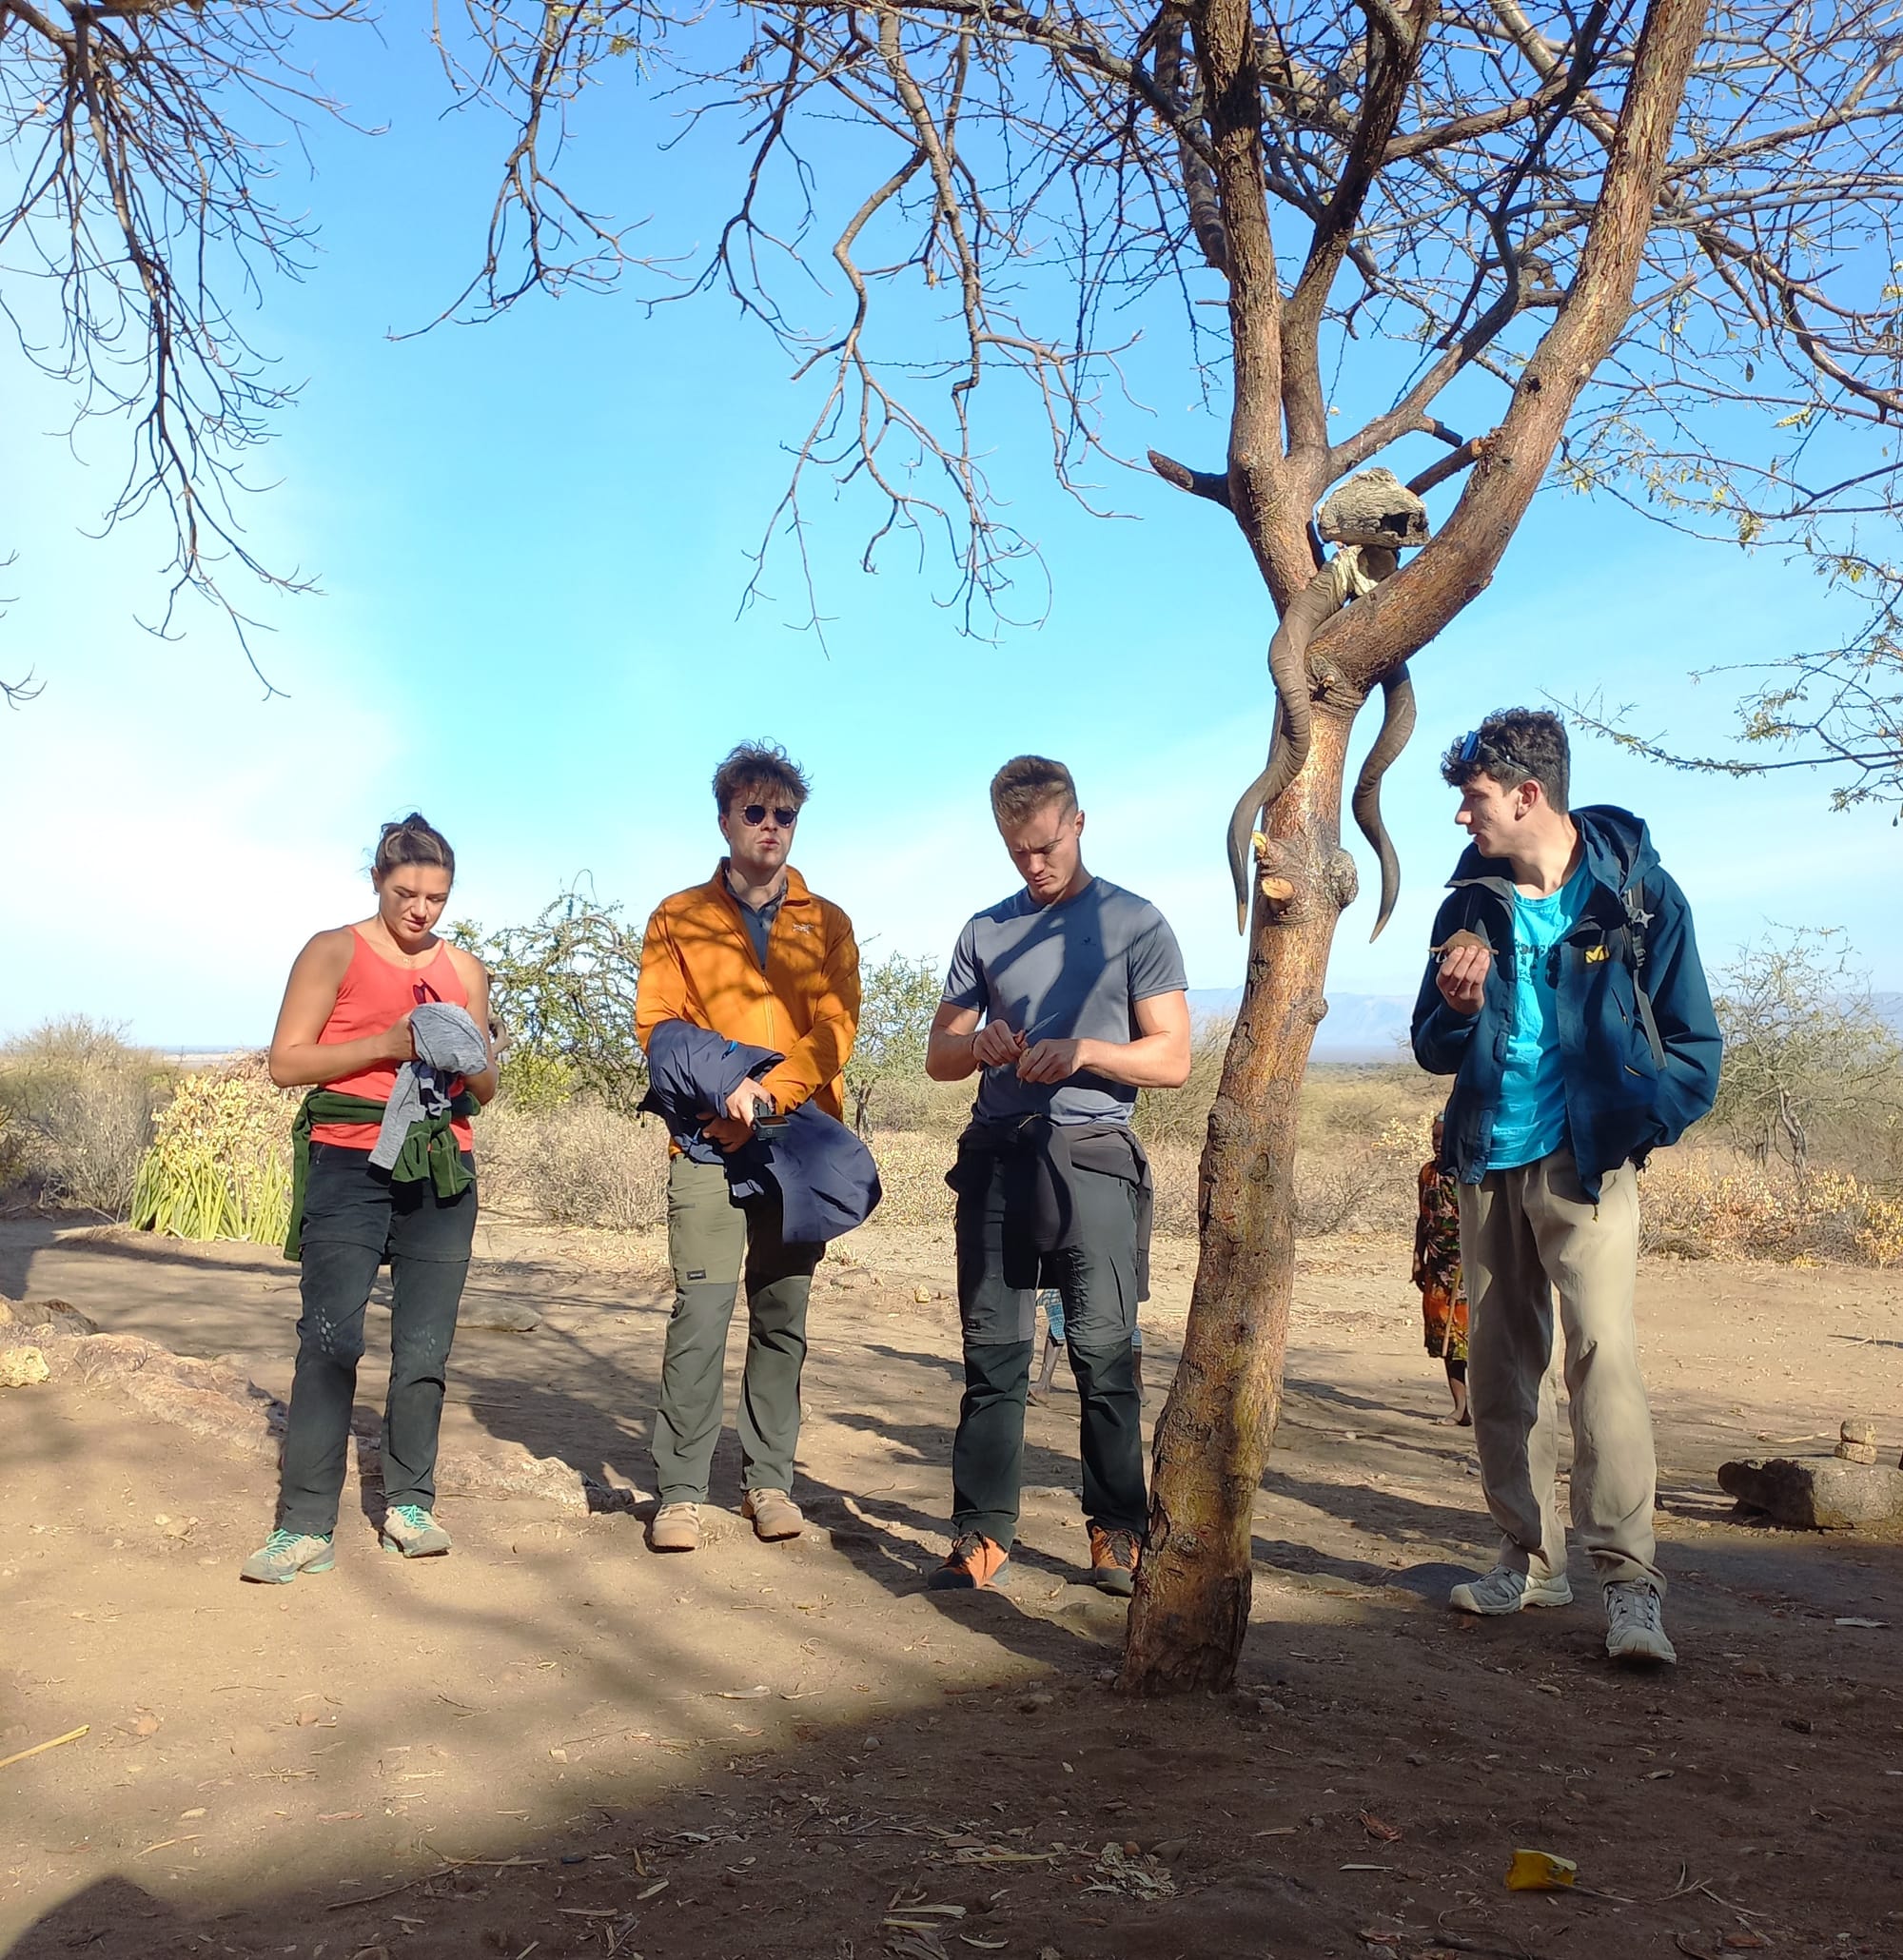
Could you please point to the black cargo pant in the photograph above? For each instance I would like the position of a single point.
(354, 1219)
(1097, 1278)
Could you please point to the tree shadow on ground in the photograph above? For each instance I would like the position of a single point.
(887, 1535)
(1378, 1787)
(778, 1831)
(21, 1241)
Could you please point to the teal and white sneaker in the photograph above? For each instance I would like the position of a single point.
(285, 1554)
(415, 1533)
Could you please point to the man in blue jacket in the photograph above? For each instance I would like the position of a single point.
(1565, 997)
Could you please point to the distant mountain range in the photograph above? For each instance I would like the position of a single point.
(1373, 1027)
(1358, 1027)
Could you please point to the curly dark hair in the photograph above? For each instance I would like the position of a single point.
(762, 771)
(1515, 746)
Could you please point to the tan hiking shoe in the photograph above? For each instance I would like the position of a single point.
(976, 1561)
(774, 1515)
(1113, 1560)
(415, 1533)
(676, 1528)
(285, 1554)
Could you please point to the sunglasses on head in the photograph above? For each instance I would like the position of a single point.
(1470, 745)
(755, 814)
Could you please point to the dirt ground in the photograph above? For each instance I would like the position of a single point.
(555, 1742)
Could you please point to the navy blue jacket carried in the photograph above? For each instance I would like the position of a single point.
(822, 1174)
(1637, 1031)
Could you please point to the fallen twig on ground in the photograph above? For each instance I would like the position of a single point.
(40, 1748)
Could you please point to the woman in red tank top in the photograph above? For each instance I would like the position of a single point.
(344, 1026)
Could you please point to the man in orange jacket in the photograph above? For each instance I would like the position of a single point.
(755, 956)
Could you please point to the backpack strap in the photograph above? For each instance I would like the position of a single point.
(1636, 919)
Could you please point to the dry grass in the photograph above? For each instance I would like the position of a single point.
(1710, 1204)
(77, 1106)
(76, 1110)
(579, 1163)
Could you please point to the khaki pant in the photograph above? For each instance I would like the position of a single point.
(1526, 1235)
(710, 1243)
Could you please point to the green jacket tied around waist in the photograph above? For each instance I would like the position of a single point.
(430, 1149)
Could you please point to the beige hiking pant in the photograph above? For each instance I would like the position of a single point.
(1526, 1235)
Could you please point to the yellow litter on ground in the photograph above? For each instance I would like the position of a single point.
(1539, 1872)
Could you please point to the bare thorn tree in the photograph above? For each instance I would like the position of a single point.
(1836, 711)
(1647, 242)
(142, 141)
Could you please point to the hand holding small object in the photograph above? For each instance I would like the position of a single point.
(1465, 961)
(996, 1046)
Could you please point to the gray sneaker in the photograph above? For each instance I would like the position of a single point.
(414, 1532)
(1636, 1623)
(1503, 1591)
(285, 1554)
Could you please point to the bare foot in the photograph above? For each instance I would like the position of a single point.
(1461, 1417)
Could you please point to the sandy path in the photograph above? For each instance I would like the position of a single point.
(553, 1693)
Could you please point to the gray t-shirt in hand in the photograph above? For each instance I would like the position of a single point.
(1059, 972)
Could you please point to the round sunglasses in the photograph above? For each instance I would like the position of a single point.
(755, 814)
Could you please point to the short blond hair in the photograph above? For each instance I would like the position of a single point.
(1026, 784)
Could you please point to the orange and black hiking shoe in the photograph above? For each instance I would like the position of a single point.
(975, 1561)
(1113, 1560)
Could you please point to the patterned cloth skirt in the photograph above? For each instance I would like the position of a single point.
(1446, 1318)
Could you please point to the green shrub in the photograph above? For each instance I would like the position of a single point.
(219, 1165)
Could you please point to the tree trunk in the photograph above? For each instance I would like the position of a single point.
(1193, 1598)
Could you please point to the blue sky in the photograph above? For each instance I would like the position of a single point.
(532, 539)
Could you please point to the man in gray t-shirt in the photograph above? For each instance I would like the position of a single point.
(1074, 969)
(1065, 999)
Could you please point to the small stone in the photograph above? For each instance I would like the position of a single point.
(922, 1295)
(1754, 1670)
(21, 1368)
(1032, 1703)
(1170, 1850)
(1857, 1440)
(499, 1317)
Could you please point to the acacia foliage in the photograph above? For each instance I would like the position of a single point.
(563, 988)
(898, 997)
(1807, 1051)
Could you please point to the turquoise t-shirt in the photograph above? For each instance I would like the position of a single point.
(1530, 1119)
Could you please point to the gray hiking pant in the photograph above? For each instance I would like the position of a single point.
(709, 1239)
(1527, 1236)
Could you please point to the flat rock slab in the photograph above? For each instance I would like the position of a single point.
(218, 1401)
(1823, 1493)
